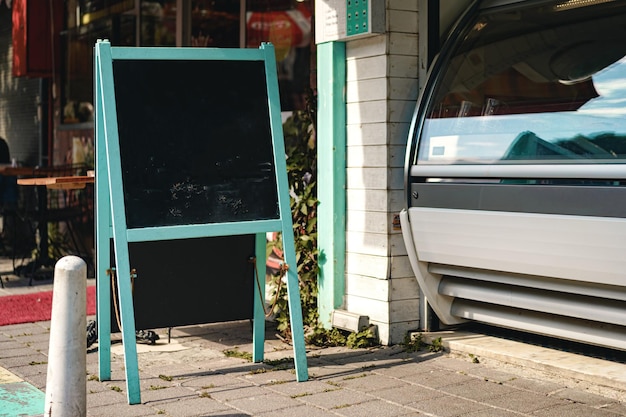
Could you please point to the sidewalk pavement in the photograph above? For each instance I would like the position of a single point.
(200, 372)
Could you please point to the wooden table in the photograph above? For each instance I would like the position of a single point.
(73, 182)
(12, 171)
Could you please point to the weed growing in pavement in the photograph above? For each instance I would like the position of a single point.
(235, 353)
(412, 342)
(347, 378)
(415, 342)
(277, 382)
(436, 345)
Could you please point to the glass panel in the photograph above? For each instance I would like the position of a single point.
(158, 23)
(546, 83)
(92, 10)
(215, 23)
(287, 25)
(77, 95)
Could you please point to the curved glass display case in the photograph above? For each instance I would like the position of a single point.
(515, 171)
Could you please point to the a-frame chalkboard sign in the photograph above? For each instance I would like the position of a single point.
(189, 145)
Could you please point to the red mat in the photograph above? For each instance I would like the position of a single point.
(29, 308)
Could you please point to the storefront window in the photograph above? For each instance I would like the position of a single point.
(538, 84)
(158, 23)
(287, 25)
(215, 23)
(206, 23)
(77, 76)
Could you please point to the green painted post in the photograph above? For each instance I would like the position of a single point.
(331, 188)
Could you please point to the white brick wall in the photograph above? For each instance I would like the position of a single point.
(381, 92)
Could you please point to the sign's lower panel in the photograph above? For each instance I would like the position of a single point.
(191, 281)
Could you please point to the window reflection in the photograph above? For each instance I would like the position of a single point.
(206, 23)
(77, 81)
(158, 23)
(287, 25)
(215, 23)
(533, 85)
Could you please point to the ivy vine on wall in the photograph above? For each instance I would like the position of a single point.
(300, 146)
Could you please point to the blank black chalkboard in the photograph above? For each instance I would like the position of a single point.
(195, 142)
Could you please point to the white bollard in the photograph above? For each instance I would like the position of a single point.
(66, 382)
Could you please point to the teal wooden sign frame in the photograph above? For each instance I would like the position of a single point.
(111, 221)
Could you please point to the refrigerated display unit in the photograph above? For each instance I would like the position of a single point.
(515, 173)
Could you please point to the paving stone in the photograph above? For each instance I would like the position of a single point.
(330, 371)
(197, 406)
(105, 397)
(457, 364)
(447, 406)
(618, 408)
(15, 352)
(227, 413)
(408, 369)
(300, 411)
(263, 403)
(29, 339)
(299, 389)
(42, 346)
(534, 385)
(37, 380)
(478, 389)
(120, 409)
(337, 397)
(7, 343)
(525, 402)
(95, 386)
(377, 408)
(27, 359)
(159, 395)
(583, 397)
(493, 412)
(270, 377)
(573, 410)
(367, 382)
(31, 369)
(26, 329)
(230, 393)
(408, 394)
(214, 381)
(438, 378)
(491, 374)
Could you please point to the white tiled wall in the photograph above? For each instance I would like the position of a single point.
(381, 92)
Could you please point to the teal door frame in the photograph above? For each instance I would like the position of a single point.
(331, 188)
